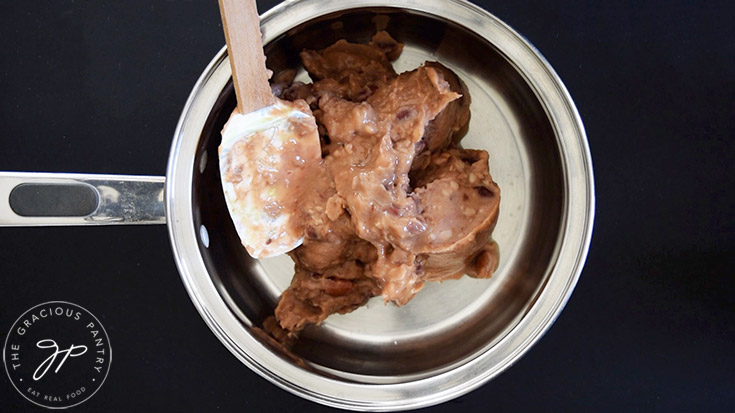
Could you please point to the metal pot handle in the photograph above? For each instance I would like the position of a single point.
(51, 199)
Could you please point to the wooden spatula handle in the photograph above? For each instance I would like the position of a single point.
(245, 48)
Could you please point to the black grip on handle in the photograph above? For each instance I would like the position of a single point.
(53, 200)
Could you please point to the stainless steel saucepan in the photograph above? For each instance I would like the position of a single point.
(452, 337)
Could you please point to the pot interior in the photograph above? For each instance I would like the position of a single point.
(446, 324)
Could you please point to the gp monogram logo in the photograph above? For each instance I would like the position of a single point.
(57, 354)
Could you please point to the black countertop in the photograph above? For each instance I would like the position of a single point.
(98, 87)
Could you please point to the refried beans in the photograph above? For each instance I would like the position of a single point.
(395, 201)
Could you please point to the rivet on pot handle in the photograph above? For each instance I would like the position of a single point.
(46, 199)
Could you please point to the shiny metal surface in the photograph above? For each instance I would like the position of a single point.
(455, 336)
(120, 199)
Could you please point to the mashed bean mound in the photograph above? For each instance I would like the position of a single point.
(395, 201)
